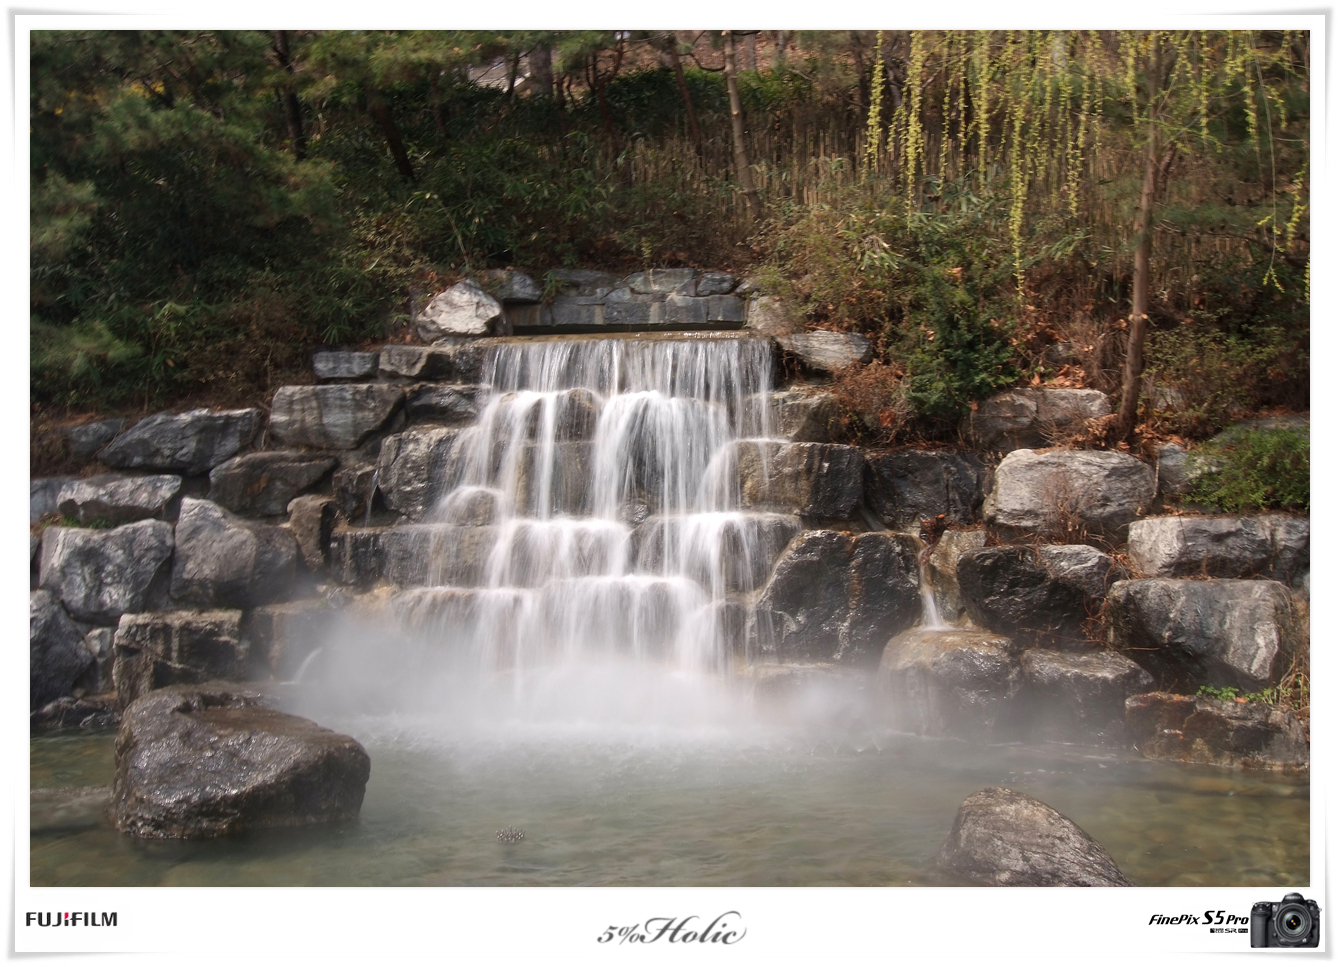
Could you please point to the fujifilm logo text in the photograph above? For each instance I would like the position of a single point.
(71, 919)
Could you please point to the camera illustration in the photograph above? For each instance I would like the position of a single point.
(1293, 922)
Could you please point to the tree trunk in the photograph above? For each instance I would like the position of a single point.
(292, 110)
(672, 48)
(381, 113)
(742, 170)
(542, 70)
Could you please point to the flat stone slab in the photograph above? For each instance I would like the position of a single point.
(339, 364)
(828, 352)
(186, 443)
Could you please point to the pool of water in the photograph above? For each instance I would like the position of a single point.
(630, 804)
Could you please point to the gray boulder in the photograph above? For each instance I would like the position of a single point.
(101, 574)
(86, 439)
(225, 561)
(449, 405)
(964, 684)
(199, 762)
(338, 416)
(352, 487)
(462, 310)
(1003, 838)
(715, 283)
(798, 415)
(451, 360)
(1081, 697)
(186, 443)
(1030, 417)
(827, 352)
(56, 653)
(311, 519)
(1216, 632)
(1036, 594)
(43, 493)
(905, 486)
(1271, 545)
(262, 484)
(114, 499)
(814, 479)
(162, 648)
(1069, 493)
(509, 285)
(838, 597)
(1196, 728)
(412, 468)
(772, 316)
(338, 364)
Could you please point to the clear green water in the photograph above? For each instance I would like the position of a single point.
(643, 805)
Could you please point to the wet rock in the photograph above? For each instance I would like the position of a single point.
(566, 415)
(838, 597)
(310, 521)
(225, 561)
(1030, 417)
(470, 507)
(336, 416)
(90, 714)
(715, 283)
(905, 486)
(654, 281)
(198, 762)
(337, 364)
(101, 574)
(813, 479)
(114, 499)
(356, 555)
(449, 361)
(412, 471)
(964, 684)
(262, 484)
(797, 415)
(727, 554)
(1190, 728)
(509, 285)
(161, 648)
(1069, 493)
(79, 807)
(1217, 632)
(1081, 697)
(86, 439)
(281, 637)
(414, 555)
(1271, 545)
(828, 352)
(56, 653)
(98, 677)
(447, 404)
(1036, 594)
(770, 315)
(186, 443)
(942, 566)
(462, 310)
(1003, 838)
(821, 693)
(353, 487)
(43, 493)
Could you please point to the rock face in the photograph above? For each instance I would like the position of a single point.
(828, 352)
(311, 520)
(56, 653)
(262, 484)
(43, 493)
(1032, 417)
(813, 479)
(458, 360)
(943, 568)
(798, 415)
(771, 316)
(163, 648)
(1042, 594)
(188, 443)
(462, 310)
(1080, 698)
(449, 405)
(1003, 838)
(903, 487)
(114, 499)
(964, 684)
(1217, 632)
(102, 574)
(199, 762)
(1199, 729)
(339, 416)
(1069, 493)
(838, 597)
(411, 470)
(1272, 545)
(86, 439)
(224, 561)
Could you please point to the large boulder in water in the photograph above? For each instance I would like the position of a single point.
(1004, 838)
(188, 443)
(102, 574)
(835, 596)
(1197, 728)
(56, 652)
(204, 761)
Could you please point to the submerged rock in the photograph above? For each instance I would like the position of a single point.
(1004, 838)
(1197, 728)
(204, 761)
(69, 714)
(79, 807)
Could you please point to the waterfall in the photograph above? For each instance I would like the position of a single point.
(930, 611)
(597, 502)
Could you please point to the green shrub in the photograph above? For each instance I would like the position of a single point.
(1260, 469)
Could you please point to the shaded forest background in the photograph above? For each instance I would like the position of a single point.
(209, 207)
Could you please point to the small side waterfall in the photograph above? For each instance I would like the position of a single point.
(598, 493)
(930, 611)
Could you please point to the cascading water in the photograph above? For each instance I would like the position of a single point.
(600, 478)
